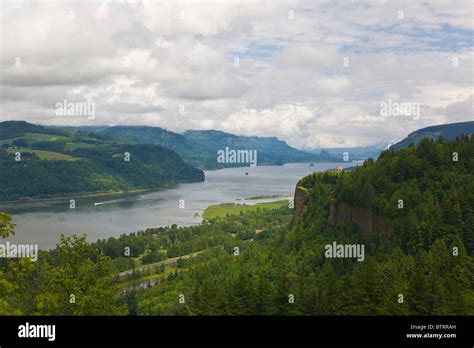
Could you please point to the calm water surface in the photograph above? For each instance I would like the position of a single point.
(42, 222)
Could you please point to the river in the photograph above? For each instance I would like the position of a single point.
(42, 222)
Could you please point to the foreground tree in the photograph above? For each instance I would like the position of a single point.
(6, 287)
(72, 283)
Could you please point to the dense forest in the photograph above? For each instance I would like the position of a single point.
(43, 162)
(419, 260)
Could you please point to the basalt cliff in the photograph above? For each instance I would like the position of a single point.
(367, 220)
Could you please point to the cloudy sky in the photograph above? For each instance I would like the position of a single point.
(312, 73)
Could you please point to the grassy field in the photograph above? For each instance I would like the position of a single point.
(70, 142)
(265, 197)
(32, 137)
(76, 145)
(46, 155)
(221, 210)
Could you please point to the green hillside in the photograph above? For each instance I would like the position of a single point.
(55, 162)
(446, 131)
(16, 129)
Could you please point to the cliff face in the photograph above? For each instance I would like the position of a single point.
(300, 196)
(368, 222)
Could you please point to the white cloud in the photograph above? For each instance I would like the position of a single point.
(141, 60)
(333, 84)
(461, 111)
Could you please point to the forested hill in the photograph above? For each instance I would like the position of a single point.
(413, 209)
(14, 129)
(199, 148)
(413, 196)
(418, 256)
(45, 162)
(446, 131)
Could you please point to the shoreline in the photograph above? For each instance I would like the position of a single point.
(121, 192)
(98, 194)
(280, 165)
(149, 220)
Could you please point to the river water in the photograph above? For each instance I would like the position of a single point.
(42, 222)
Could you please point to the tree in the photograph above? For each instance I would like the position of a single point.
(365, 293)
(7, 288)
(20, 142)
(73, 284)
(6, 226)
(330, 294)
(419, 294)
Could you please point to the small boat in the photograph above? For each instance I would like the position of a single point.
(246, 173)
(311, 165)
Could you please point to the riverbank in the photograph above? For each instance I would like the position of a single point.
(42, 222)
(86, 195)
(166, 186)
(226, 209)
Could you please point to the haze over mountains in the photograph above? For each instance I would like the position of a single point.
(199, 147)
(355, 153)
(85, 160)
(445, 131)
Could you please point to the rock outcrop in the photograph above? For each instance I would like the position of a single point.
(368, 222)
(300, 196)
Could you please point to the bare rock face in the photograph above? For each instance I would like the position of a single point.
(368, 222)
(300, 196)
(332, 214)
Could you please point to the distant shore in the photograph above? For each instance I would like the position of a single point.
(166, 186)
(86, 195)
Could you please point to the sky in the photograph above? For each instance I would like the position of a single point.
(312, 73)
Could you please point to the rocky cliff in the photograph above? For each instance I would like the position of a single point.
(367, 221)
(300, 196)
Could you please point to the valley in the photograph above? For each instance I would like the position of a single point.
(230, 245)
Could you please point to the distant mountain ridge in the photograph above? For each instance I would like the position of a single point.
(355, 153)
(199, 147)
(447, 131)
